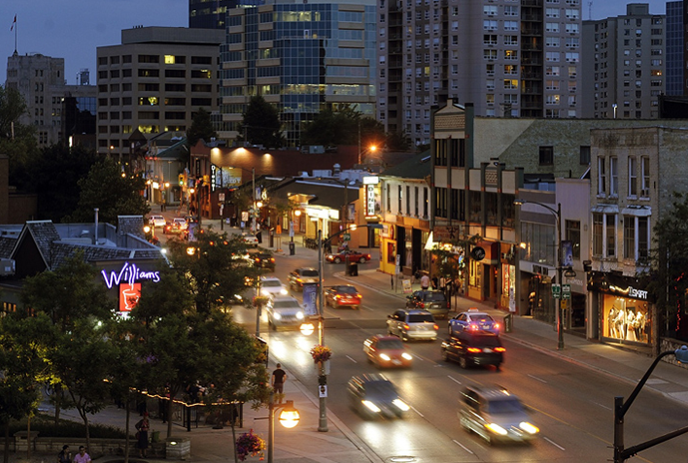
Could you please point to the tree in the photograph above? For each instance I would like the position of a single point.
(113, 193)
(261, 124)
(17, 141)
(201, 128)
(345, 126)
(12, 107)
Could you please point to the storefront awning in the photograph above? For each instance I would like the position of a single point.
(606, 209)
(637, 211)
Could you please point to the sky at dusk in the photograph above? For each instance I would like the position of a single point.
(73, 29)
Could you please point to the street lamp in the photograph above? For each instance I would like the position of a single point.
(621, 407)
(289, 418)
(557, 213)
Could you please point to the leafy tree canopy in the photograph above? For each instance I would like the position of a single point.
(343, 127)
(17, 141)
(261, 124)
(201, 128)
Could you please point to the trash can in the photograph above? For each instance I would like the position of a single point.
(508, 323)
(155, 436)
(292, 248)
(352, 269)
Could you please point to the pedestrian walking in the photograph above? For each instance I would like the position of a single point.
(65, 456)
(279, 377)
(143, 426)
(425, 282)
(82, 456)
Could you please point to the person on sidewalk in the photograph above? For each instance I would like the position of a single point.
(425, 282)
(279, 377)
(143, 426)
(65, 456)
(82, 456)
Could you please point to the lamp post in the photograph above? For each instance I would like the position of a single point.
(557, 213)
(621, 407)
(289, 418)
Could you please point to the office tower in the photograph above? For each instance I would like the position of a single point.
(623, 66)
(210, 14)
(303, 57)
(675, 38)
(154, 82)
(508, 58)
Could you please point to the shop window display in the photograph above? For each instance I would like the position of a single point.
(626, 319)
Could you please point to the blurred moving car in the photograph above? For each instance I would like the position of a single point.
(343, 296)
(272, 286)
(387, 351)
(350, 254)
(434, 302)
(374, 396)
(300, 276)
(495, 414)
(263, 260)
(470, 348)
(412, 324)
(284, 312)
(157, 221)
(181, 223)
(473, 320)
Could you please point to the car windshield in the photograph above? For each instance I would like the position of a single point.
(420, 318)
(346, 289)
(309, 273)
(505, 407)
(380, 390)
(271, 284)
(434, 297)
(481, 318)
(286, 305)
(390, 344)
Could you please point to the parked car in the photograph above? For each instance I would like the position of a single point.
(387, 351)
(284, 312)
(472, 320)
(350, 254)
(157, 221)
(301, 276)
(434, 302)
(412, 324)
(263, 260)
(495, 414)
(249, 239)
(374, 396)
(343, 296)
(470, 348)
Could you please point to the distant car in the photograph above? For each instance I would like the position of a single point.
(175, 227)
(353, 256)
(343, 296)
(472, 320)
(181, 222)
(272, 286)
(157, 221)
(374, 396)
(284, 312)
(470, 348)
(387, 352)
(301, 276)
(412, 324)
(263, 260)
(434, 302)
(495, 414)
(249, 239)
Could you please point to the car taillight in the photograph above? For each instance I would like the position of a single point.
(359, 296)
(448, 305)
(499, 349)
(338, 296)
(435, 326)
(422, 305)
(272, 260)
(473, 327)
(474, 350)
(496, 326)
(406, 327)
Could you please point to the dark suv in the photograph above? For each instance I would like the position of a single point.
(434, 302)
(474, 348)
(300, 276)
(262, 260)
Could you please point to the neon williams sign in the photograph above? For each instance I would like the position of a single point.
(129, 273)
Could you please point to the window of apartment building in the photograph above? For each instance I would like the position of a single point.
(584, 155)
(511, 55)
(552, 100)
(551, 27)
(614, 176)
(457, 152)
(552, 71)
(490, 69)
(454, 204)
(388, 197)
(511, 99)
(573, 234)
(510, 69)
(552, 12)
(551, 85)
(571, 28)
(510, 83)
(552, 56)
(489, 98)
(644, 177)
(572, 13)
(510, 10)
(475, 203)
(629, 236)
(149, 58)
(102, 61)
(440, 153)
(426, 202)
(400, 198)
(490, 10)
(149, 73)
(601, 176)
(546, 155)
(552, 41)
(490, 24)
(490, 39)
(611, 235)
(510, 25)
(632, 177)
(441, 202)
(416, 201)
(490, 84)
(408, 200)
(490, 54)
(643, 239)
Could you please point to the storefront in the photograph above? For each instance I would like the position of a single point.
(625, 314)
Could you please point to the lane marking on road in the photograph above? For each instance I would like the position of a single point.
(462, 446)
(555, 444)
(538, 379)
(454, 379)
(351, 358)
(603, 406)
(416, 410)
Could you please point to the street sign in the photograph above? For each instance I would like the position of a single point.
(566, 291)
(347, 236)
(556, 290)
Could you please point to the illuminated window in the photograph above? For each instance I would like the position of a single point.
(169, 59)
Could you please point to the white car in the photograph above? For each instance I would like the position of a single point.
(272, 286)
(249, 239)
(284, 311)
(157, 220)
(181, 223)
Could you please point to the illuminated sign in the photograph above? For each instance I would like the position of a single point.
(129, 273)
(370, 201)
(129, 296)
(371, 180)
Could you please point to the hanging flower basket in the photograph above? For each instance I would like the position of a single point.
(249, 444)
(260, 301)
(321, 353)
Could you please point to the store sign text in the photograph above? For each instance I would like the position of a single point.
(129, 273)
(370, 200)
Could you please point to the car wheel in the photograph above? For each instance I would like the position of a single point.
(498, 367)
(362, 260)
(464, 425)
(356, 307)
(445, 357)
(463, 363)
(337, 260)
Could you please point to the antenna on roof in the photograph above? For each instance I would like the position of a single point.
(589, 10)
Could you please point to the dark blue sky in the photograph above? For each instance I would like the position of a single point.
(72, 29)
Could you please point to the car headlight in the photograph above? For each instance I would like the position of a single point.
(401, 405)
(276, 316)
(385, 357)
(284, 291)
(497, 429)
(371, 406)
(406, 356)
(265, 292)
(299, 315)
(529, 428)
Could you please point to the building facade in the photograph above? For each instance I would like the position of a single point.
(524, 60)
(301, 57)
(675, 85)
(624, 65)
(154, 81)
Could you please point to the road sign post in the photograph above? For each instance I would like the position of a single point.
(556, 290)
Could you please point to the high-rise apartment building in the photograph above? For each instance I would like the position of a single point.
(303, 57)
(508, 58)
(623, 69)
(675, 38)
(154, 82)
(210, 14)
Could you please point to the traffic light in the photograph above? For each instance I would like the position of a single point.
(181, 179)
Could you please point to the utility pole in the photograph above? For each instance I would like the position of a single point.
(322, 375)
(253, 199)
